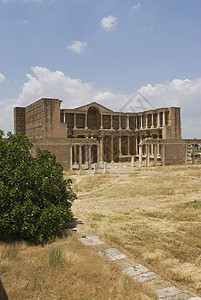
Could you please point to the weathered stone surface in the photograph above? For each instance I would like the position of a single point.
(134, 271)
(168, 292)
(181, 296)
(195, 298)
(112, 254)
(91, 241)
(77, 229)
(145, 277)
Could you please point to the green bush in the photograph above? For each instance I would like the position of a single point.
(35, 200)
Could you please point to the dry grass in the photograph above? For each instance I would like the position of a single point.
(155, 219)
(64, 269)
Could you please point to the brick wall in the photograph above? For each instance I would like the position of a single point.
(175, 154)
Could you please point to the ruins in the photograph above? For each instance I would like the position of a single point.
(93, 133)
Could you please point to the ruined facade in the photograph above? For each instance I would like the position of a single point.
(94, 133)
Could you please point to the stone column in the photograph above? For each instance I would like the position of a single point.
(152, 120)
(193, 154)
(112, 149)
(102, 148)
(89, 157)
(140, 155)
(75, 154)
(86, 127)
(98, 156)
(158, 148)
(129, 146)
(148, 156)
(71, 158)
(111, 122)
(95, 168)
(64, 118)
(146, 121)
(155, 154)
(158, 120)
(120, 153)
(136, 145)
(101, 127)
(162, 154)
(105, 167)
(141, 123)
(164, 118)
(120, 122)
(80, 157)
(132, 161)
(128, 125)
(75, 121)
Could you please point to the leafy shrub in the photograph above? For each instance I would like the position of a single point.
(35, 200)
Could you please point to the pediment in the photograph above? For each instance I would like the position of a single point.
(93, 104)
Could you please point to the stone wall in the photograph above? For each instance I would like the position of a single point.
(19, 120)
(175, 153)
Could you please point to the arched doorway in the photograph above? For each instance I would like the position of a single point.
(93, 118)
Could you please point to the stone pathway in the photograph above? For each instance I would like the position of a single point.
(164, 291)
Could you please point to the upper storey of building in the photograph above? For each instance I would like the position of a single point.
(45, 119)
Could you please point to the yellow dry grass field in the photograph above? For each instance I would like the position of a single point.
(151, 214)
(63, 270)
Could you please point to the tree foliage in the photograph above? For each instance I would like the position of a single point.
(35, 200)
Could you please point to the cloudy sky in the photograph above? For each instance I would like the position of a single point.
(128, 55)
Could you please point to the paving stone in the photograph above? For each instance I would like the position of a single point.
(77, 229)
(91, 241)
(134, 271)
(168, 292)
(195, 298)
(112, 254)
(182, 296)
(145, 277)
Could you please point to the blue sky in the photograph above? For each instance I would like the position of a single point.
(102, 50)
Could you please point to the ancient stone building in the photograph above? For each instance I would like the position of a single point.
(93, 133)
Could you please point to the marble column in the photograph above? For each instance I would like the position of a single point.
(148, 155)
(163, 118)
(120, 153)
(80, 157)
(75, 121)
(86, 127)
(112, 149)
(111, 122)
(98, 156)
(140, 155)
(155, 154)
(127, 121)
(158, 120)
(102, 148)
(101, 127)
(119, 122)
(152, 120)
(71, 158)
(129, 146)
(89, 157)
(163, 155)
(193, 154)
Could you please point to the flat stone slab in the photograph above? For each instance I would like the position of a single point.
(145, 277)
(91, 240)
(182, 296)
(134, 271)
(195, 298)
(112, 254)
(77, 229)
(168, 292)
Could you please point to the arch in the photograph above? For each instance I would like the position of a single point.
(93, 118)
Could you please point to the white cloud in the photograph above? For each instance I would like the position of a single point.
(74, 92)
(23, 22)
(2, 77)
(149, 28)
(77, 46)
(109, 23)
(136, 7)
